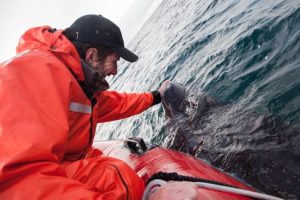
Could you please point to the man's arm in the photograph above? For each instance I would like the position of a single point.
(113, 105)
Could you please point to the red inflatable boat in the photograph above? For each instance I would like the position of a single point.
(160, 162)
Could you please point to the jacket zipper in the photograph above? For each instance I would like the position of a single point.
(123, 181)
(93, 102)
(90, 143)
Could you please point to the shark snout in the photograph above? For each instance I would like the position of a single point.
(173, 97)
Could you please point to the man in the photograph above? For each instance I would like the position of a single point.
(53, 94)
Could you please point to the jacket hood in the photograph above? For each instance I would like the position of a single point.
(45, 38)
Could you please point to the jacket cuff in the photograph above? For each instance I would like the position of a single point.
(156, 97)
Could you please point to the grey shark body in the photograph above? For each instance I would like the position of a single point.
(255, 147)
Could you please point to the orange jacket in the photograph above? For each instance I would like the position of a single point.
(46, 129)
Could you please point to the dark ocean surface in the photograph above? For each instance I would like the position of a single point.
(246, 55)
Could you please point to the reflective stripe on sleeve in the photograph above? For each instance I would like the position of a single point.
(82, 108)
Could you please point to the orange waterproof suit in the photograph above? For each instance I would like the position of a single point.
(47, 126)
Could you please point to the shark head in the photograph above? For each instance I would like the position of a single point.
(177, 100)
(178, 108)
(184, 110)
(173, 98)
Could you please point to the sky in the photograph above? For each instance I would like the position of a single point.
(16, 16)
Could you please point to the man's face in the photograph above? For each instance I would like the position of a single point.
(106, 67)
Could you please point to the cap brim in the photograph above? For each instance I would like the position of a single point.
(126, 54)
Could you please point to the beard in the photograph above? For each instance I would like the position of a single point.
(94, 80)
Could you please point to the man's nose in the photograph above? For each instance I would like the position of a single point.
(115, 70)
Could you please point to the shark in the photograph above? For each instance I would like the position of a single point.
(258, 148)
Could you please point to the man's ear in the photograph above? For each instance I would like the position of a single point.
(91, 55)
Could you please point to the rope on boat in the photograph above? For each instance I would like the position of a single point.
(154, 184)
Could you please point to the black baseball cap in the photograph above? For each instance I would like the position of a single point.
(97, 30)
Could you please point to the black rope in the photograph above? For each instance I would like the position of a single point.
(173, 176)
(177, 177)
